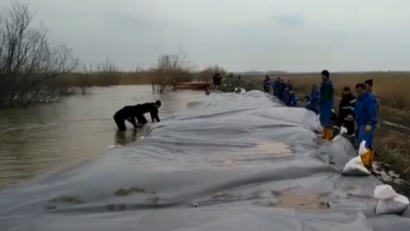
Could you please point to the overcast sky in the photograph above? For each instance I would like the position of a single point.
(240, 35)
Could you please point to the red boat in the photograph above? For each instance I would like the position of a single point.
(190, 85)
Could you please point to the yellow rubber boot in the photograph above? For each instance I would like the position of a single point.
(324, 133)
(366, 158)
(329, 134)
(371, 158)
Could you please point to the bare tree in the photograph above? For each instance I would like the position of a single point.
(29, 64)
(171, 68)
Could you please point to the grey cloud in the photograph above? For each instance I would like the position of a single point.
(289, 20)
(239, 35)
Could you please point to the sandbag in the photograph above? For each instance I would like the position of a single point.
(384, 191)
(355, 166)
(389, 202)
(406, 212)
(339, 133)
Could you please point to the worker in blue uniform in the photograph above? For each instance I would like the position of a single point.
(313, 100)
(326, 105)
(366, 117)
(267, 84)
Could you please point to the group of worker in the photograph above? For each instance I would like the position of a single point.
(281, 90)
(360, 110)
(135, 113)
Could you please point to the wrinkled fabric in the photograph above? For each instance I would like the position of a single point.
(232, 163)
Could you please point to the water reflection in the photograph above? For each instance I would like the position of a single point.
(124, 138)
(43, 138)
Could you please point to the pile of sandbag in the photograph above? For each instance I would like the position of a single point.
(389, 202)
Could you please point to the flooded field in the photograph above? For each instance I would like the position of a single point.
(45, 138)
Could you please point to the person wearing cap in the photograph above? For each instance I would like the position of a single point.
(366, 116)
(346, 109)
(326, 105)
(369, 87)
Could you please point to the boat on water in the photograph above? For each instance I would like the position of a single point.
(190, 85)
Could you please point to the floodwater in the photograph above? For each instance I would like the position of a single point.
(48, 138)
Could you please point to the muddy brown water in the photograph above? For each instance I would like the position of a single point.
(48, 138)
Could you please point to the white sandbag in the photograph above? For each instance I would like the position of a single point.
(395, 205)
(342, 131)
(355, 167)
(384, 191)
(389, 201)
(362, 148)
(406, 212)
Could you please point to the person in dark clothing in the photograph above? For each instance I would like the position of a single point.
(276, 87)
(129, 113)
(292, 100)
(282, 87)
(346, 109)
(289, 85)
(217, 79)
(152, 108)
(266, 84)
(126, 113)
(286, 96)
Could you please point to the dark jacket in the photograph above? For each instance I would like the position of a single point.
(326, 91)
(365, 110)
(266, 85)
(346, 105)
(141, 109)
(313, 100)
(293, 100)
(126, 113)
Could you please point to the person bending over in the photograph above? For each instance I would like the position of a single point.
(126, 113)
(152, 108)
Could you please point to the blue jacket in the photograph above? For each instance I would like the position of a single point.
(286, 97)
(314, 99)
(266, 84)
(293, 100)
(276, 86)
(365, 110)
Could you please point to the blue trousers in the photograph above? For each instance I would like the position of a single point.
(367, 136)
(325, 114)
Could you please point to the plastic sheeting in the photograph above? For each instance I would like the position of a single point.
(228, 163)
